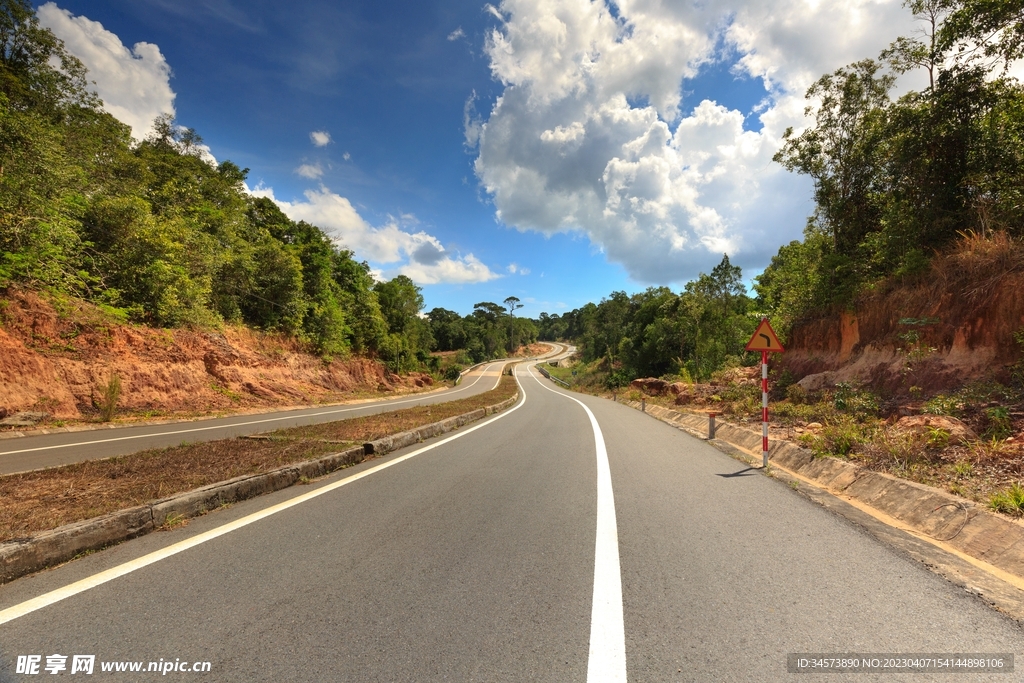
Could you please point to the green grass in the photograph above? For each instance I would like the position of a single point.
(1009, 501)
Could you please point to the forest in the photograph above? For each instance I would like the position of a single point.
(157, 233)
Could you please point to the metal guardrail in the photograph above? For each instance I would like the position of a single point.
(553, 379)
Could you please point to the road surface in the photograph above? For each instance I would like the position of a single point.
(547, 543)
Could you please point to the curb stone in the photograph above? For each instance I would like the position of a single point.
(25, 556)
(960, 523)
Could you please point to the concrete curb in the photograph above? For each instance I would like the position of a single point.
(962, 524)
(24, 556)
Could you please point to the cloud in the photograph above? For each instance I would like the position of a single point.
(346, 156)
(591, 134)
(472, 124)
(311, 171)
(134, 84)
(515, 269)
(456, 34)
(393, 248)
(320, 138)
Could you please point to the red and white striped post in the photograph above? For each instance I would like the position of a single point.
(766, 341)
(764, 408)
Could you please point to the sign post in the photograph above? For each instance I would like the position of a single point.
(766, 341)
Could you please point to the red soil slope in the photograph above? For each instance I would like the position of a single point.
(954, 324)
(58, 362)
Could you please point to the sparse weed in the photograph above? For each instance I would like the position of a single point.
(111, 395)
(1009, 501)
(849, 399)
(963, 469)
(838, 439)
(943, 404)
(937, 438)
(901, 450)
(998, 424)
(174, 521)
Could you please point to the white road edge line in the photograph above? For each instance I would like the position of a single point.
(607, 659)
(29, 606)
(239, 424)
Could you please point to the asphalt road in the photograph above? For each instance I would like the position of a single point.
(50, 450)
(488, 556)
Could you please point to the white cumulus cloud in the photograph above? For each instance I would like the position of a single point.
(591, 132)
(311, 171)
(134, 84)
(320, 138)
(394, 248)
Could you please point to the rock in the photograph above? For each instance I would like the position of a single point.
(817, 382)
(740, 376)
(3, 413)
(814, 425)
(652, 386)
(923, 424)
(24, 419)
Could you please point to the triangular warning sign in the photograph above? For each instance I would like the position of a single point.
(765, 339)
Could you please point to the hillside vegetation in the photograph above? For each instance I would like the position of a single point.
(157, 233)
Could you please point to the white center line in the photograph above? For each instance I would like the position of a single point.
(29, 606)
(607, 659)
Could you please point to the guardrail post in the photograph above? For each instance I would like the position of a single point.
(711, 424)
(643, 405)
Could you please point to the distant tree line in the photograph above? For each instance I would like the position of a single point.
(157, 234)
(657, 332)
(488, 332)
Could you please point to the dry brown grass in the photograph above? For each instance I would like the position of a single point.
(46, 499)
(42, 500)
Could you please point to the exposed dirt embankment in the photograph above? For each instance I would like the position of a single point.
(58, 361)
(954, 324)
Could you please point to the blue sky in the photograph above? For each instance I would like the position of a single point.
(555, 150)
